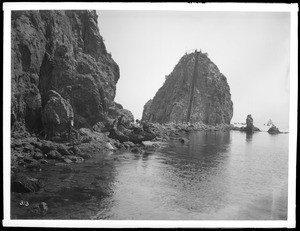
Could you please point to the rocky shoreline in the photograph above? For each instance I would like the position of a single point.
(31, 151)
(32, 157)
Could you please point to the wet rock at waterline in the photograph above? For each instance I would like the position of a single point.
(273, 130)
(183, 140)
(137, 150)
(250, 128)
(21, 183)
(38, 209)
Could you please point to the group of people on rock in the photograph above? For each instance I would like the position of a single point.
(70, 129)
(120, 123)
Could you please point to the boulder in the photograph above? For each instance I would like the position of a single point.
(126, 115)
(39, 209)
(53, 154)
(62, 149)
(43, 161)
(117, 135)
(76, 159)
(273, 130)
(76, 150)
(38, 156)
(183, 140)
(88, 150)
(27, 147)
(47, 146)
(21, 183)
(89, 135)
(56, 114)
(129, 144)
(140, 137)
(151, 144)
(67, 160)
(29, 160)
(109, 146)
(100, 127)
(136, 150)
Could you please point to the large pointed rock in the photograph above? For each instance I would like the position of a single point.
(211, 102)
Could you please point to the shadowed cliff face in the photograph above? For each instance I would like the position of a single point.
(61, 51)
(211, 103)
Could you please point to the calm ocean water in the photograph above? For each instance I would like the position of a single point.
(217, 175)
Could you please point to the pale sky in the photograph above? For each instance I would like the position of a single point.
(251, 49)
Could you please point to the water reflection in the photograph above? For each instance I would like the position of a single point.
(215, 175)
(249, 136)
(190, 171)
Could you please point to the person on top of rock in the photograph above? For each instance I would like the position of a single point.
(135, 126)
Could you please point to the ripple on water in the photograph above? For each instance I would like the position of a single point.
(214, 176)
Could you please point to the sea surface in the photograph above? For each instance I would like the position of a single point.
(215, 176)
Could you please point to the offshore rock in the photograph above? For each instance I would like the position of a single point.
(273, 130)
(211, 102)
(250, 128)
(61, 51)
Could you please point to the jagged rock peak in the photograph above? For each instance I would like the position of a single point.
(193, 92)
(61, 51)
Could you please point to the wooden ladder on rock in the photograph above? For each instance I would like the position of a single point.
(192, 89)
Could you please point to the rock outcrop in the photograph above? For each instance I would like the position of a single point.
(273, 130)
(56, 114)
(60, 51)
(146, 111)
(249, 122)
(250, 128)
(210, 100)
(24, 184)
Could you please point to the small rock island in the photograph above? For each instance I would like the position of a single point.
(195, 91)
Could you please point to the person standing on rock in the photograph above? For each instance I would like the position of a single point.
(71, 128)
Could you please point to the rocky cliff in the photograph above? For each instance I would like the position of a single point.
(61, 52)
(195, 91)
